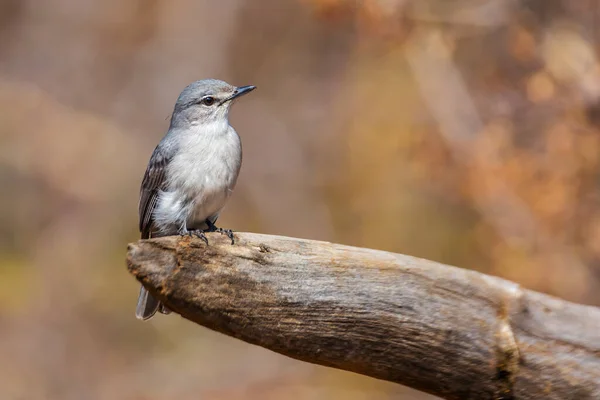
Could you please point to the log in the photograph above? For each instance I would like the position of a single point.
(450, 332)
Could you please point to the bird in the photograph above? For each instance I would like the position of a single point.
(192, 171)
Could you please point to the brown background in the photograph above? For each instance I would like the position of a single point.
(466, 132)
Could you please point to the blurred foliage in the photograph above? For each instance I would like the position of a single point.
(466, 132)
(511, 131)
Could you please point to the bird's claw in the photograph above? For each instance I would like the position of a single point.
(228, 233)
(199, 234)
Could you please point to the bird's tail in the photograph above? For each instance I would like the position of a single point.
(147, 305)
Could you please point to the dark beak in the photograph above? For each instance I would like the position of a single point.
(240, 91)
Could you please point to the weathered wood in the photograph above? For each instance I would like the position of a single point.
(447, 331)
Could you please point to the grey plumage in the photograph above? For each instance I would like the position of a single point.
(192, 171)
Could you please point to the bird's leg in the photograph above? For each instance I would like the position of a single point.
(183, 231)
(199, 233)
(213, 228)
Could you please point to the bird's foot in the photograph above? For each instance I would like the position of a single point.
(227, 232)
(183, 232)
(199, 233)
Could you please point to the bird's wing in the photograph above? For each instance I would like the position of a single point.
(153, 182)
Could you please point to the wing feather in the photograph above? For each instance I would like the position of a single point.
(152, 184)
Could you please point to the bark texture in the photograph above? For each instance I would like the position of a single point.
(454, 333)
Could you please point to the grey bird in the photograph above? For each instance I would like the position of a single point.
(192, 171)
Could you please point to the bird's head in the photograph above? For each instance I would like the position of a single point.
(206, 101)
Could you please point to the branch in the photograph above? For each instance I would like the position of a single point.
(454, 333)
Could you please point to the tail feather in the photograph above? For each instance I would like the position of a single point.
(147, 305)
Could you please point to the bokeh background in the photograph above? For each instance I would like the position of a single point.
(465, 131)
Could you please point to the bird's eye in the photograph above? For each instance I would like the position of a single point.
(208, 100)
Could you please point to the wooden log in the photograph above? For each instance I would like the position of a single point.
(454, 333)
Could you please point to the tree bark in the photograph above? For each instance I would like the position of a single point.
(454, 333)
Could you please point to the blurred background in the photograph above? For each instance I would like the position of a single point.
(465, 131)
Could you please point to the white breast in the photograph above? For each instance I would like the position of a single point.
(200, 178)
